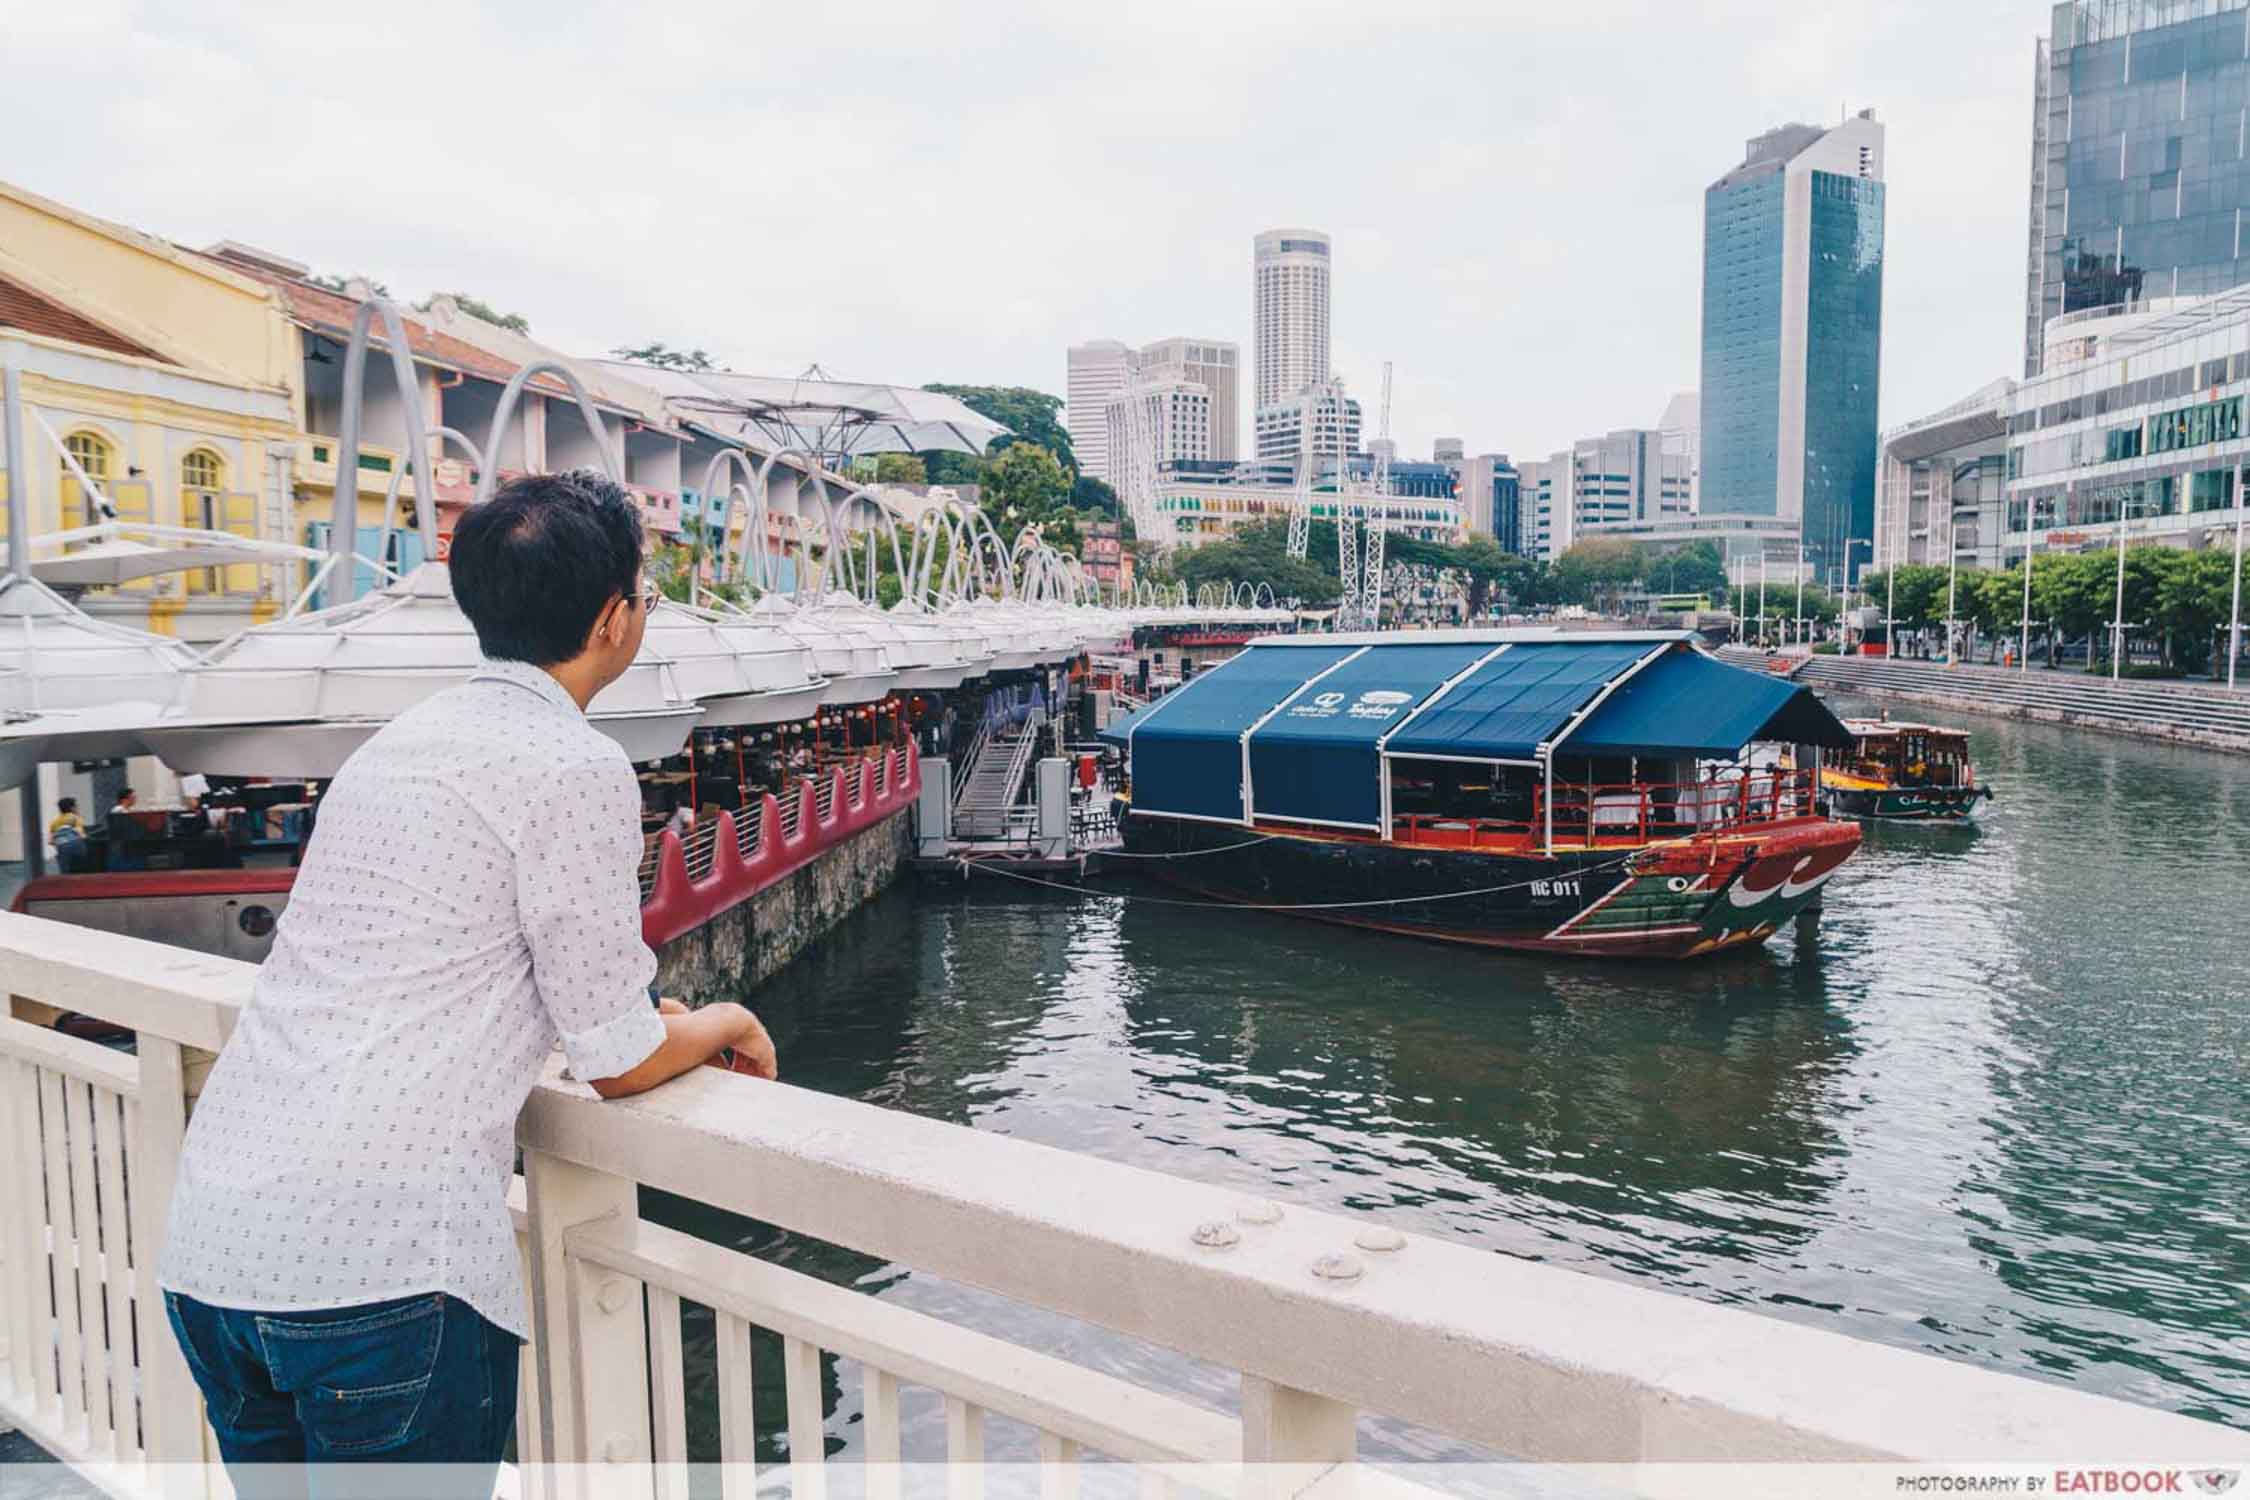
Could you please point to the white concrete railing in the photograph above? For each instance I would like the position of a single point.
(1324, 1316)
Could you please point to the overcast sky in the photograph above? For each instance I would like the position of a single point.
(929, 191)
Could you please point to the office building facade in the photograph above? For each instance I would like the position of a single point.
(2144, 431)
(1214, 364)
(1682, 426)
(1622, 478)
(1319, 424)
(2139, 170)
(1491, 490)
(1176, 414)
(1792, 335)
(1289, 313)
(1098, 371)
(1943, 494)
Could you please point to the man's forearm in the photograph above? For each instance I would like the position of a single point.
(691, 1038)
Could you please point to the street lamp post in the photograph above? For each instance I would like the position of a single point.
(2234, 621)
(2117, 625)
(2023, 651)
(1952, 571)
(1761, 593)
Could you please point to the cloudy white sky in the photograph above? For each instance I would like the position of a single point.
(934, 191)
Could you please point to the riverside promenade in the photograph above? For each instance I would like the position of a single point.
(2189, 713)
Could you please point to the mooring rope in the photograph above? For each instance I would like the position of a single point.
(1266, 838)
(1489, 890)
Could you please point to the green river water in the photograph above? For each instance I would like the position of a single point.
(1997, 1110)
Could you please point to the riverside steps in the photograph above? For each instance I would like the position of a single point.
(1326, 1318)
(2205, 714)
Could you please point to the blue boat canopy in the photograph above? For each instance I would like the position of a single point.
(1521, 698)
(1296, 728)
(1317, 757)
(1186, 748)
(1685, 703)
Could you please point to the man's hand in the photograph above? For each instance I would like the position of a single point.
(690, 1038)
(670, 1007)
(751, 1053)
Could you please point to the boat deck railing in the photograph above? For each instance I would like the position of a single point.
(1320, 1320)
(699, 847)
(1625, 814)
(1942, 774)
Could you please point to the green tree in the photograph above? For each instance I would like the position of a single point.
(2194, 601)
(1695, 568)
(664, 357)
(1239, 561)
(1030, 417)
(1024, 485)
(1595, 571)
(477, 307)
(1090, 494)
(900, 468)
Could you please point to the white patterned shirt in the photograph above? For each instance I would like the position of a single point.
(469, 897)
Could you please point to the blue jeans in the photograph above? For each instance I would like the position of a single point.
(423, 1380)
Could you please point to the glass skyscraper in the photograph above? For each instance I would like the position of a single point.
(1792, 337)
(2139, 178)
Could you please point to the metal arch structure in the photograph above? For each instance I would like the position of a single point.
(439, 433)
(761, 575)
(1137, 494)
(344, 515)
(504, 412)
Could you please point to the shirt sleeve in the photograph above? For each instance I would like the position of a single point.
(578, 899)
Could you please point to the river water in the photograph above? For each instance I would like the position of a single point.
(1997, 1110)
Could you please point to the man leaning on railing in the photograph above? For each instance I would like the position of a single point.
(341, 1269)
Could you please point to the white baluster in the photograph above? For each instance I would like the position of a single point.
(668, 1387)
(808, 1450)
(738, 1430)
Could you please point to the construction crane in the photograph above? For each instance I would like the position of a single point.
(1361, 520)
(1378, 521)
(1300, 507)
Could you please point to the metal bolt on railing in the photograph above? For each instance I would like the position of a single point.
(613, 1295)
(1337, 1266)
(1259, 1211)
(1379, 1239)
(1217, 1234)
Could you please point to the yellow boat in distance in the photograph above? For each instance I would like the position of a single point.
(1906, 772)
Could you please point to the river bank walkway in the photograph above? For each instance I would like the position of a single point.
(2184, 712)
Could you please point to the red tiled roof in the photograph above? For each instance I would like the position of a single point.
(317, 307)
(21, 307)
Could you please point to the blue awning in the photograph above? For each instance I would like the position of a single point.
(1187, 747)
(1119, 731)
(1315, 760)
(1518, 700)
(1685, 703)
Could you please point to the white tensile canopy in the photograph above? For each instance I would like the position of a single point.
(74, 687)
(829, 419)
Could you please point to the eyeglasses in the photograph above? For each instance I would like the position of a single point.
(649, 597)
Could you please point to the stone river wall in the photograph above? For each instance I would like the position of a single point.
(745, 945)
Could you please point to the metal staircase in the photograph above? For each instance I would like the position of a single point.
(983, 803)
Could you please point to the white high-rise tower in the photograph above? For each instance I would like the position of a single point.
(1098, 372)
(1290, 313)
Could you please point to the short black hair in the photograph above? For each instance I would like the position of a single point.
(535, 565)
(67, 804)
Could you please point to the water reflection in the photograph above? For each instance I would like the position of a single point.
(1996, 1109)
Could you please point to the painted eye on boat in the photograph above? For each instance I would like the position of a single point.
(1677, 883)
